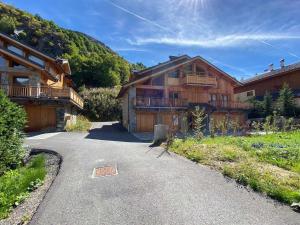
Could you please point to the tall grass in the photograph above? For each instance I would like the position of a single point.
(82, 124)
(15, 185)
(269, 163)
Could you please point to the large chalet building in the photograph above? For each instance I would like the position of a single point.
(170, 91)
(39, 83)
(271, 81)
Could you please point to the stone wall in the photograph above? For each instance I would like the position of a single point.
(65, 115)
(131, 110)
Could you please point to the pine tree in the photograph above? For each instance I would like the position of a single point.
(286, 102)
(267, 104)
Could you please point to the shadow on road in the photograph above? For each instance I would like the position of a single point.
(112, 132)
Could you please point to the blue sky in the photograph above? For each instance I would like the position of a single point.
(241, 37)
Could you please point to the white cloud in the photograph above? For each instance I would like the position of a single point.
(222, 41)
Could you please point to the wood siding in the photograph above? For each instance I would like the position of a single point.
(272, 84)
(40, 117)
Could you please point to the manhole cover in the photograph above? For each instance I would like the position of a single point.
(105, 171)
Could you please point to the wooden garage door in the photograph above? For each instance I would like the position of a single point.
(40, 117)
(145, 122)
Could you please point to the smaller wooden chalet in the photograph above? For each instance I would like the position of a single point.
(168, 93)
(271, 81)
(39, 83)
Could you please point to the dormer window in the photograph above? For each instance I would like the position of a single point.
(15, 50)
(36, 60)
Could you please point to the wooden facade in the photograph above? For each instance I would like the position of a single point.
(38, 82)
(170, 91)
(271, 82)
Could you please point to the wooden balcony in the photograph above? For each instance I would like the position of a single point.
(230, 105)
(43, 92)
(151, 102)
(198, 80)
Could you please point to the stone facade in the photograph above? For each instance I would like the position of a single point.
(131, 110)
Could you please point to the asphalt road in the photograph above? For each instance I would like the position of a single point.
(152, 187)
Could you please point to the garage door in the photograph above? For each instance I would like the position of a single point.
(145, 122)
(40, 117)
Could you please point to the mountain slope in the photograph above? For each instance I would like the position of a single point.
(92, 62)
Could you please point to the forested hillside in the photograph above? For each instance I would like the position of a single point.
(93, 64)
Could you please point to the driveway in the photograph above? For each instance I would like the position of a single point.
(152, 187)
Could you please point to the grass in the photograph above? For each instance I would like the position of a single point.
(82, 124)
(15, 185)
(269, 164)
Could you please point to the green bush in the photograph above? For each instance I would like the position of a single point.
(100, 104)
(15, 185)
(82, 124)
(12, 121)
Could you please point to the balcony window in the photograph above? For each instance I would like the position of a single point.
(174, 74)
(174, 95)
(188, 69)
(158, 81)
(21, 81)
(200, 71)
(15, 50)
(36, 60)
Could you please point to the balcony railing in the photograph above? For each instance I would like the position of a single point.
(43, 92)
(229, 105)
(160, 102)
(194, 79)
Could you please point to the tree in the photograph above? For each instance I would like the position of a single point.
(286, 103)
(12, 121)
(267, 104)
(138, 66)
(199, 118)
(7, 24)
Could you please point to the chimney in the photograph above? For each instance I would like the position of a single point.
(271, 67)
(172, 57)
(282, 63)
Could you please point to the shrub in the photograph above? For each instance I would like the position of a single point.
(12, 121)
(82, 124)
(100, 104)
(15, 185)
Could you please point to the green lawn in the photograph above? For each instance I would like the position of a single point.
(15, 185)
(268, 163)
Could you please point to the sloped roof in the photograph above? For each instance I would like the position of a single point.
(270, 74)
(62, 63)
(164, 67)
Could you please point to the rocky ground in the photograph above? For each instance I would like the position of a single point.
(24, 212)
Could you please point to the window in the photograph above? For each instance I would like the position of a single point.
(2, 61)
(213, 97)
(250, 93)
(174, 95)
(22, 81)
(174, 74)
(188, 69)
(36, 60)
(225, 100)
(200, 71)
(16, 65)
(158, 81)
(15, 50)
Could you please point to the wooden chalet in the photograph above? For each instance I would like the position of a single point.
(271, 81)
(39, 83)
(170, 91)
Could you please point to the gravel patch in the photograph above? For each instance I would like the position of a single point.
(25, 211)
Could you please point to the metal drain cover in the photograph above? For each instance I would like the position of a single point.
(105, 171)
